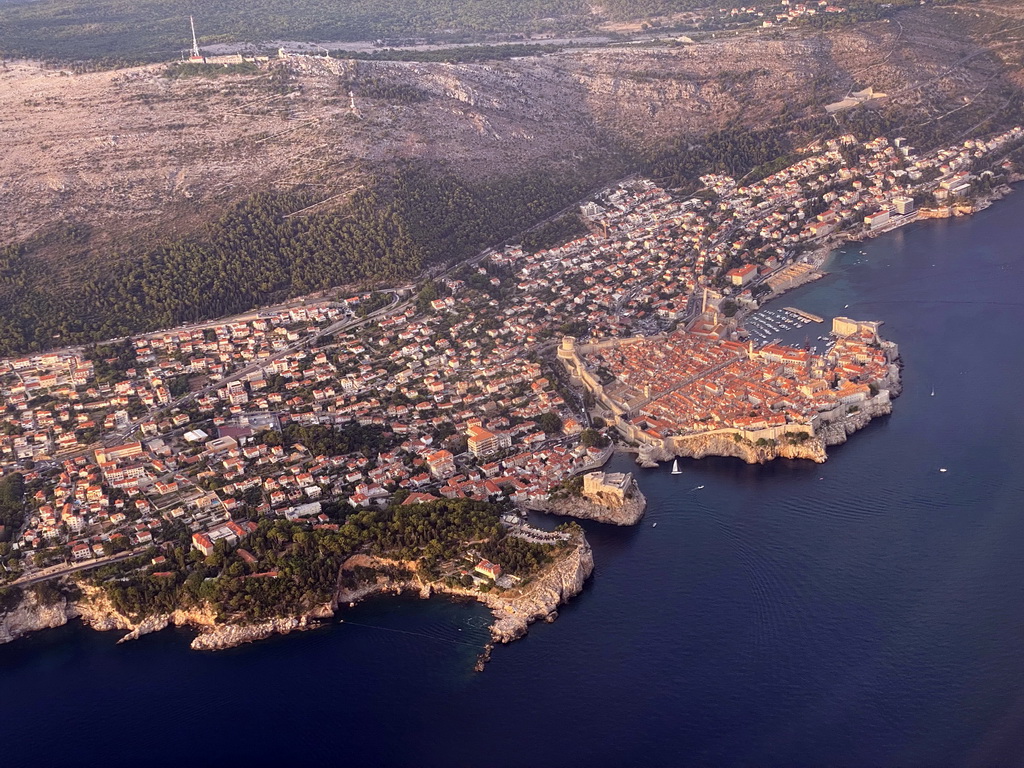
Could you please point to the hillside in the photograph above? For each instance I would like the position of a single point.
(100, 168)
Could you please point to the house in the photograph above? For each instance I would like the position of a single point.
(247, 556)
(488, 569)
(742, 275)
(126, 451)
(876, 220)
(203, 543)
(441, 464)
(419, 498)
(142, 537)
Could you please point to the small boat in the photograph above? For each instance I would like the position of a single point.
(655, 525)
(675, 467)
(933, 391)
(942, 469)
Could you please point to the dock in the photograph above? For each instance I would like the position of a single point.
(805, 315)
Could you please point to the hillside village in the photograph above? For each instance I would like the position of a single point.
(310, 412)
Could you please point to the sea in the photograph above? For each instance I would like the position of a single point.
(868, 611)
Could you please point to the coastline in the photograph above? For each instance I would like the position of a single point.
(839, 431)
(607, 509)
(723, 444)
(839, 558)
(513, 612)
(819, 256)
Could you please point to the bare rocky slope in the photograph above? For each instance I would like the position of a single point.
(121, 152)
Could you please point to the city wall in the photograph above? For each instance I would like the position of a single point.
(826, 428)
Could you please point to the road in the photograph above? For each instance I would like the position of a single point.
(55, 572)
(344, 324)
(122, 435)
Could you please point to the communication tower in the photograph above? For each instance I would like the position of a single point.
(196, 55)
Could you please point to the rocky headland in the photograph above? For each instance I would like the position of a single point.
(724, 442)
(95, 610)
(514, 610)
(613, 503)
(32, 615)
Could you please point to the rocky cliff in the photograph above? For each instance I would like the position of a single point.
(601, 510)
(513, 610)
(92, 606)
(541, 598)
(838, 431)
(725, 444)
(30, 616)
(223, 636)
(95, 610)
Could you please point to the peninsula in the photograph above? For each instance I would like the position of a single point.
(605, 497)
(287, 577)
(690, 393)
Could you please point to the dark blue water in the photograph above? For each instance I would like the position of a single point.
(865, 612)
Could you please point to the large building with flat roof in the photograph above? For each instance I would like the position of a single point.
(483, 442)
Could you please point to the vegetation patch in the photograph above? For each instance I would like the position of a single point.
(258, 254)
(288, 568)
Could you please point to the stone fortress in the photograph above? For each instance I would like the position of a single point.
(681, 394)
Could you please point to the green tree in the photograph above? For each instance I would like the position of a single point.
(550, 422)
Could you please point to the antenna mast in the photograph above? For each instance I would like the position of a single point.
(195, 43)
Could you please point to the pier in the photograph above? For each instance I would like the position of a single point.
(805, 315)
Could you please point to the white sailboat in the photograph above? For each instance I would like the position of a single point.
(675, 467)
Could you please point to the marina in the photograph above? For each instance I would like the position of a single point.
(767, 325)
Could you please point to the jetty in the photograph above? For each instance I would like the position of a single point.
(805, 315)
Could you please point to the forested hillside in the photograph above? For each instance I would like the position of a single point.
(141, 198)
(308, 562)
(256, 254)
